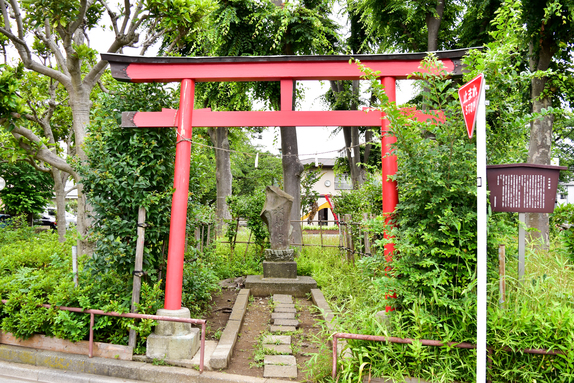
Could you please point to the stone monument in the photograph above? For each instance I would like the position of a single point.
(279, 268)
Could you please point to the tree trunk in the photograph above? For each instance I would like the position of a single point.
(219, 138)
(433, 21)
(292, 169)
(539, 149)
(60, 190)
(80, 104)
(351, 135)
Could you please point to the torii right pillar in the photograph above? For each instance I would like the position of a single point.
(389, 168)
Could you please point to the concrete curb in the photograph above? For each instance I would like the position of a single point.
(327, 314)
(73, 367)
(222, 353)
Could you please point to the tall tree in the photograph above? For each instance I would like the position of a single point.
(248, 27)
(397, 25)
(61, 29)
(550, 34)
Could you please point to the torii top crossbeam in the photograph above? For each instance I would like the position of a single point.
(286, 69)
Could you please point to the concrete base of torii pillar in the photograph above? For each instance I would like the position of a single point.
(173, 340)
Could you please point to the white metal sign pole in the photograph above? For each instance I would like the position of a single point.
(481, 237)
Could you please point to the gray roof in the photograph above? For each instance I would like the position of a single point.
(326, 162)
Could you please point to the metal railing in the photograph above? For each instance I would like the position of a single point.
(93, 312)
(424, 342)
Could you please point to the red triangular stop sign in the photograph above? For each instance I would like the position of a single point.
(469, 95)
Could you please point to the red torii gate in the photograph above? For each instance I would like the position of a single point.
(285, 69)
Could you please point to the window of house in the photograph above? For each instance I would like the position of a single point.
(343, 182)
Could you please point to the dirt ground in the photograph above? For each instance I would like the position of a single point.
(256, 322)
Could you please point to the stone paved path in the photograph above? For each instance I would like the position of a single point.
(284, 321)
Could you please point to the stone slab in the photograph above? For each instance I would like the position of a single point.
(286, 270)
(112, 367)
(271, 371)
(264, 287)
(277, 348)
(284, 310)
(168, 374)
(128, 370)
(282, 328)
(283, 316)
(280, 360)
(282, 298)
(61, 361)
(277, 339)
(42, 342)
(18, 354)
(286, 322)
(285, 306)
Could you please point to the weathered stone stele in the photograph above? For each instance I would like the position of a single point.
(275, 214)
(279, 268)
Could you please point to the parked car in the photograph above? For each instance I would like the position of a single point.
(5, 220)
(47, 218)
(52, 212)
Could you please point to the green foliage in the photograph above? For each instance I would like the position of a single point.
(562, 226)
(367, 199)
(126, 169)
(402, 26)
(249, 207)
(200, 281)
(27, 190)
(248, 179)
(309, 195)
(37, 269)
(9, 101)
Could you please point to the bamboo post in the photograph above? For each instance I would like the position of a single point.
(366, 237)
(502, 272)
(208, 235)
(302, 234)
(350, 255)
(235, 237)
(75, 264)
(247, 246)
(342, 235)
(321, 233)
(201, 238)
(138, 272)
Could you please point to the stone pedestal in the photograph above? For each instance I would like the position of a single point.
(173, 340)
(264, 287)
(279, 264)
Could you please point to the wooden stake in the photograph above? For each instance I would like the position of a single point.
(138, 270)
(502, 272)
(366, 236)
(350, 246)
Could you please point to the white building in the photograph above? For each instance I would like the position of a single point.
(566, 196)
(328, 185)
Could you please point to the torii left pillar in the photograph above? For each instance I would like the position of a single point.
(172, 340)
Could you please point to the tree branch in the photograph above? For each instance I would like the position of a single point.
(37, 166)
(128, 11)
(113, 17)
(48, 39)
(5, 14)
(43, 153)
(81, 14)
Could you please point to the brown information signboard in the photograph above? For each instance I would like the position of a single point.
(523, 188)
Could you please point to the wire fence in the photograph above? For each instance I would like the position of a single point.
(353, 238)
